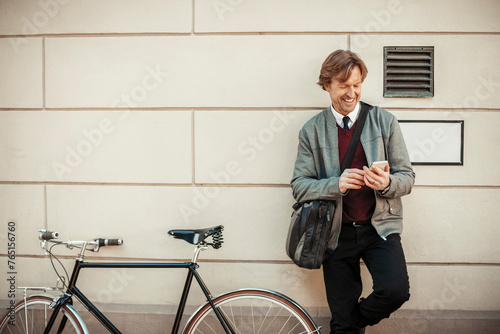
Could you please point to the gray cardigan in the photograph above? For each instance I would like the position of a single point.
(317, 168)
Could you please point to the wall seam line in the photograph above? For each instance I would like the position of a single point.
(255, 261)
(222, 185)
(192, 17)
(193, 148)
(225, 108)
(255, 33)
(46, 207)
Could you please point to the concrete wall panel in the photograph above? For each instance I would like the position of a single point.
(21, 73)
(94, 17)
(466, 75)
(179, 71)
(339, 16)
(96, 146)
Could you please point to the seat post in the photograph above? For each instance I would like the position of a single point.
(198, 249)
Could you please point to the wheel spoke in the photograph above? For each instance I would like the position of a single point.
(31, 316)
(252, 311)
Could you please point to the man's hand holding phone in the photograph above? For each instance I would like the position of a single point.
(377, 176)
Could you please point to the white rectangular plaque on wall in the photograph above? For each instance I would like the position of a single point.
(434, 142)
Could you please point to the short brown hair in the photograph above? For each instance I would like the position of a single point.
(339, 65)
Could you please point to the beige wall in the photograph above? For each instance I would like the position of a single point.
(129, 118)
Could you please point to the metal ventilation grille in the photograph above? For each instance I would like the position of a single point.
(408, 71)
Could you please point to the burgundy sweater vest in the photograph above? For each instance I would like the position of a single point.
(358, 204)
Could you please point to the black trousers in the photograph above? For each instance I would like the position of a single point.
(386, 263)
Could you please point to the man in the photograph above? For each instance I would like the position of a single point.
(368, 218)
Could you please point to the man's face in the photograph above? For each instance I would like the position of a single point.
(345, 95)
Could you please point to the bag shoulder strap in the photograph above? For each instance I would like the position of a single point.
(353, 144)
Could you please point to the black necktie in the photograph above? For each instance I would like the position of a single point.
(346, 122)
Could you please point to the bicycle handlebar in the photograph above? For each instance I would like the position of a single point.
(89, 245)
(109, 242)
(48, 235)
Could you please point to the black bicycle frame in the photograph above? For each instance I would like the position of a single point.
(72, 290)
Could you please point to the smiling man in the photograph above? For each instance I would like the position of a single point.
(368, 218)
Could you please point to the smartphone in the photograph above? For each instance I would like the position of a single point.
(380, 164)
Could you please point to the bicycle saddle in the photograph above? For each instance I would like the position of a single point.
(195, 237)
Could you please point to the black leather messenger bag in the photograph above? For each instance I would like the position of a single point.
(311, 222)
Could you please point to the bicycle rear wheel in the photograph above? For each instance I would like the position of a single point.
(252, 311)
(32, 316)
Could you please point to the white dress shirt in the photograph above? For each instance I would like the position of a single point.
(353, 115)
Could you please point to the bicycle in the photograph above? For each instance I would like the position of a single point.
(235, 312)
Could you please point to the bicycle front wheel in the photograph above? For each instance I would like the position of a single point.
(32, 317)
(252, 311)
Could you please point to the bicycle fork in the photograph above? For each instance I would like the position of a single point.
(56, 307)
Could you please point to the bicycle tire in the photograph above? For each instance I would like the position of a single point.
(38, 312)
(252, 311)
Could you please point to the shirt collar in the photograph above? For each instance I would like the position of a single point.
(353, 115)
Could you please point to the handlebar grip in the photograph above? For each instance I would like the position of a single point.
(48, 235)
(109, 242)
